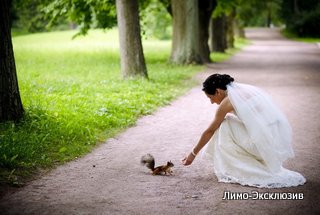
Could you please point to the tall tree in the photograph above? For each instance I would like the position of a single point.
(222, 34)
(131, 52)
(185, 41)
(206, 8)
(10, 102)
(230, 27)
(186, 23)
(218, 31)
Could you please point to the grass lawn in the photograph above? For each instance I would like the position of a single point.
(74, 97)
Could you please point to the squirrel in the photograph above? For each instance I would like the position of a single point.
(149, 161)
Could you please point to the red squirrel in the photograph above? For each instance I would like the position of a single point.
(149, 161)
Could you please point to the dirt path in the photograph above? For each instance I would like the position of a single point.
(110, 180)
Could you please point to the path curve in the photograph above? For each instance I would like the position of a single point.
(110, 180)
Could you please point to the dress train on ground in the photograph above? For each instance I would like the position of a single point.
(236, 159)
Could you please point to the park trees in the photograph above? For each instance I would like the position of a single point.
(232, 15)
(190, 20)
(10, 102)
(259, 13)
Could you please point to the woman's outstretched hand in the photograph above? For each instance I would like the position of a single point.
(188, 159)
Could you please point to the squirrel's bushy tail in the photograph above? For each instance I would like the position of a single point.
(148, 160)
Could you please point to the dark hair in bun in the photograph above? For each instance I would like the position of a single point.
(216, 81)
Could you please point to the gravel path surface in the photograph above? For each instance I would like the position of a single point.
(110, 180)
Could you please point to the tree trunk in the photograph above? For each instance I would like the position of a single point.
(218, 34)
(269, 18)
(230, 31)
(205, 10)
(131, 52)
(185, 41)
(239, 29)
(241, 32)
(10, 102)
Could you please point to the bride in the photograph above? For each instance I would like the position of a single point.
(249, 138)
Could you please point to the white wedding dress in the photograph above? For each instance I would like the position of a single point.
(252, 143)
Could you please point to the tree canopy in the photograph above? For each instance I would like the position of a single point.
(300, 17)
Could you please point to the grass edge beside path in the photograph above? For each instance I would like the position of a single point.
(291, 36)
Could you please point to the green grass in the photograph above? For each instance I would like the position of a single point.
(74, 97)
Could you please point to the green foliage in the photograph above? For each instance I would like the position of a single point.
(302, 18)
(156, 21)
(74, 97)
(259, 13)
(28, 16)
(250, 12)
(224, 7)
(86, 13)
(44, 15)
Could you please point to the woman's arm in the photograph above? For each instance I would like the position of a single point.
(224, 108)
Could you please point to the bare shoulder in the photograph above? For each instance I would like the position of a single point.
(226, 106)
